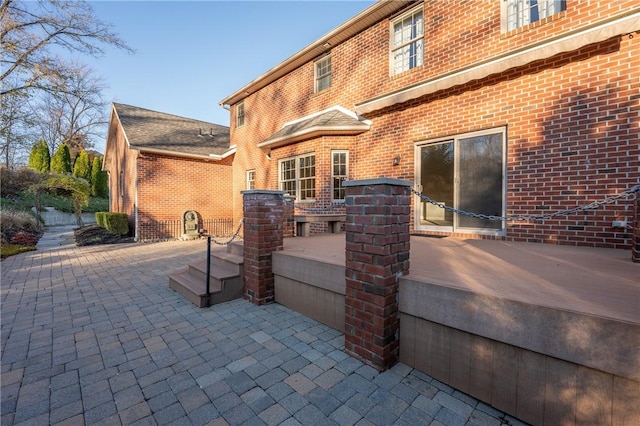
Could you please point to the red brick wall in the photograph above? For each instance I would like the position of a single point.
(121, 165)
(572, 120)
(168, 186)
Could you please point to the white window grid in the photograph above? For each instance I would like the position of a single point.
(407, 42)
(298, 177)
(240, 114)
(339, 173)
(323, 74)
(519, 13)
(251, 179)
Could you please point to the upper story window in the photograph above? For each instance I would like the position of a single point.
(240, 114)
(298, 177)
(339, 173)
(323, 73)
(251, 179)
(518, 13)
(407, 41)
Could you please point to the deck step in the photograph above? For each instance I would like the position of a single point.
(225, 283)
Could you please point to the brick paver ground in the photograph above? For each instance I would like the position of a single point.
(94, 335)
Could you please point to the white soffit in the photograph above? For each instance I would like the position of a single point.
(566, 43)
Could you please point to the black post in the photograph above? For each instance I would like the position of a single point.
(208, 267)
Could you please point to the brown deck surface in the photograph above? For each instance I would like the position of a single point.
(595, 281)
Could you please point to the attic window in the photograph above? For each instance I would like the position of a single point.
(240, 114)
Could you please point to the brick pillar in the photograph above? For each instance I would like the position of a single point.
(635, 222)
(377, 255)
(263, 212)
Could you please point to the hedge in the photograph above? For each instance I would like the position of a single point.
(116, 223)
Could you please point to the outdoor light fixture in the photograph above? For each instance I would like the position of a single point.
(396, 161)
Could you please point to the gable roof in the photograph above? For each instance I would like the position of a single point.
(158, 132)
(333, 121)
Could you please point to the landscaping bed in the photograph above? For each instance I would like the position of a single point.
(93, 235)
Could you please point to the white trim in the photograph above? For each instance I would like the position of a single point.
(566, 43)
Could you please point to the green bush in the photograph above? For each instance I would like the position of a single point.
(116, 223)
(61, 160)
(40, 158)
(82, 166)
(99, 179)
(100, 218)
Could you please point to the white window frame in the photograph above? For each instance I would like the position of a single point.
(251, 179)
(339, 176)
(322, 73)
(419, 204)
(413, 40)
(517, 13)
(240, 114)
(294, 181)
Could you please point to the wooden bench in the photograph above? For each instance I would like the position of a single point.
(303, 223)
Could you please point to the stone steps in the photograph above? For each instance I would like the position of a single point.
(226, 277)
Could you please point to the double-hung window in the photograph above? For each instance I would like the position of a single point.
(339, 173)
(464, 172)
(407, 41)
(240, 114)
(323, 73)
(518, 13)
(298, 177)
(251, 179)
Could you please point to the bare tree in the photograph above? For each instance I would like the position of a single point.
(16, 129)
(76, 115)
(31, 30)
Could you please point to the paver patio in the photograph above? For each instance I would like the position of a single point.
(94, 335)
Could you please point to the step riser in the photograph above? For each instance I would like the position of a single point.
(231, 289)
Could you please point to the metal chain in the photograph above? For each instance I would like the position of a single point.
(235, 235)
(592, 206)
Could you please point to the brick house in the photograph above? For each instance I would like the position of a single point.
(161, 165)
(508, 107)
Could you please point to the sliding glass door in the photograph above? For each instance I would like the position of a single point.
(465, 172)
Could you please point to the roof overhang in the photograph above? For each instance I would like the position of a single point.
(156, 151)
(373, 14)
(601, 31)
(334, 121)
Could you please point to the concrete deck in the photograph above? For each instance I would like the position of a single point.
(594, 281)
(94, 335)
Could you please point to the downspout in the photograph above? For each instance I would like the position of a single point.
(136, 235)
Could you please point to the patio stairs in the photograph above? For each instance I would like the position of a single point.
(226, 277)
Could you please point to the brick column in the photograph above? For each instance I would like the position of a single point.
(377, 255)
(635, 222)
(263, 212)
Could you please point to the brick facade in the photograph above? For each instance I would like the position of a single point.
(571, 119)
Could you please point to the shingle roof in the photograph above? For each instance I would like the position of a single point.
(146, 129)
(334, 121)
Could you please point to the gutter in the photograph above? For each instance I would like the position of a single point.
(215, 157)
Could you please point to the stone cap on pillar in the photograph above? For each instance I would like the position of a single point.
(377, 181)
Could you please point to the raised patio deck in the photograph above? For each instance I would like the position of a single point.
(594, 281)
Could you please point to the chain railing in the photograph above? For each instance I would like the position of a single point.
(233, 237)
(592, 206)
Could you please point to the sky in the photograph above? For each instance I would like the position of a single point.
(189, 55)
